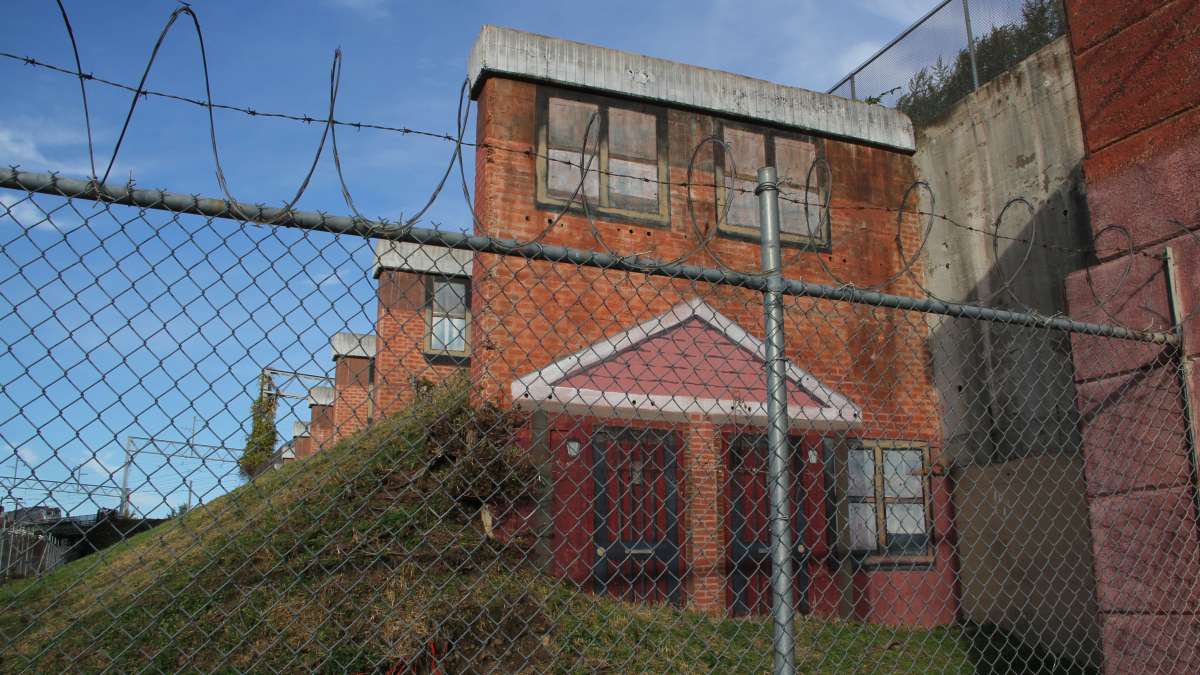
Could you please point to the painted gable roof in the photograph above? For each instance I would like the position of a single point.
(691, 360)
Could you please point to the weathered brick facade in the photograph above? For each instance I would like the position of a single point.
(320, 416)
(301, 441)
(525, 316)
(353, 383)
(403, 358)
(534, 313)
(1137, 66)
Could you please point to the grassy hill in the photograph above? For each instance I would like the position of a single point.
(369, 557)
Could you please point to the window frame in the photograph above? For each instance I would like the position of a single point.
(881, 554)
(752, 234)
(431, 280)
(546, 201)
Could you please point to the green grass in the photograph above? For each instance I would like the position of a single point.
(362, 559)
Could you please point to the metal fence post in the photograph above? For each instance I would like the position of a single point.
(782, 609)
(853, 88)
(970, 44)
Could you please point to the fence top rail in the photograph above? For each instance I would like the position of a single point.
(903, 34)
(128, 195)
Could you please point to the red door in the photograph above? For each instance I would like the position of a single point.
(636, 514)
(748, 588)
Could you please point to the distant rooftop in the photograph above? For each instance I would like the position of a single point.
(402, 255)
(352, 344)
(517, 54)
(320, 396)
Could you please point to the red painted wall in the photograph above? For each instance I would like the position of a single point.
(1137, 68)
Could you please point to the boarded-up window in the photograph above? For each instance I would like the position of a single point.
(748, 153)
(633, 160)
(568, 122)
(792, 157)
(887, 491)
(624, 153)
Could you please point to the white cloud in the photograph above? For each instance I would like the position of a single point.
(28, 456)
(146, 502)
(24, 146)
(99, 469)
(29, 215)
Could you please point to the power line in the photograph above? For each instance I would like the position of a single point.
(67, 486)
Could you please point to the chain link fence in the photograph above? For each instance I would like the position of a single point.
(530, 457)
(957, 47)
(632, 437)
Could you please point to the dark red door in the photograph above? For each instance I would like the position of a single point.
(748, 590)
(637, 514)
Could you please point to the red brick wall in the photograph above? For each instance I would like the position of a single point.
(527, 315)
(302, 446)
(1137, 68)
(703, 460)
(400, 327)
(320, 427)
(352, 404)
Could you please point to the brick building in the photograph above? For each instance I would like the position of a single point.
(644, 395)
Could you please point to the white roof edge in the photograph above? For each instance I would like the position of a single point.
(352, 344)
(514, 53)
(320, 396)
(410, 257)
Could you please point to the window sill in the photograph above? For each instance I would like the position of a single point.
(746, 234)
(444, 359)
(869, 561)
(611, 215)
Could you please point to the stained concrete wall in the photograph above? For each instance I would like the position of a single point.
(1011, 428)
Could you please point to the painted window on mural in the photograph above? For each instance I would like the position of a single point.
(448, 316)
(751, 149)
(621, 150)
(888, 495)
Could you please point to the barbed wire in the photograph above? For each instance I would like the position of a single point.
(704, 236)
(458, 140)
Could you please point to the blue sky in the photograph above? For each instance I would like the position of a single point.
(150, 325)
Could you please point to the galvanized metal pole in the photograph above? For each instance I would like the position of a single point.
(782, 609)
(125, 478)
(853, 88)
(970, 43)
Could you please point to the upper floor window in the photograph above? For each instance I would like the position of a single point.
(792, 156)
(624, 150)
(888, 495)
(448, 316)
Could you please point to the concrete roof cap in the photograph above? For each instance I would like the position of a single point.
(513, 53)
(299, 429)
(352, 344)
(320, 396)
(408, 257)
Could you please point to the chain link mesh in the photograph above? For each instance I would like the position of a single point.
(507, 463)
(933, 65)
(239, 438)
